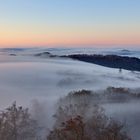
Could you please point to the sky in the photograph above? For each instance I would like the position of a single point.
(69, 22)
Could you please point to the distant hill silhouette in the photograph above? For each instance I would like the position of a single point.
(45, 54)
(112, 61)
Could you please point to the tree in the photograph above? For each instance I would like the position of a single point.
(16, 124)
(78, 119)
(95, 128)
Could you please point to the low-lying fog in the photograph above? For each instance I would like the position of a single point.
(52, 78)
(39, 83)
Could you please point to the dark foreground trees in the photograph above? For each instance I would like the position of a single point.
(17, 124)
(77, 129)
(79, 119)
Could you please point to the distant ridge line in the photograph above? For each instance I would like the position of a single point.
(112, 61)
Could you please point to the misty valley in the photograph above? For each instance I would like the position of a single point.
(47, 97)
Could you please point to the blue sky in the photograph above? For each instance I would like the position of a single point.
(47, 20)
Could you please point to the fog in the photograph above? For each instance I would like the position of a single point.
(52, 78)
(39, 83)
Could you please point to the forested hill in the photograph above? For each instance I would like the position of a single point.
(112, 61)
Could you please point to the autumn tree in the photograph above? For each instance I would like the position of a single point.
(16, 123)
(77, 118)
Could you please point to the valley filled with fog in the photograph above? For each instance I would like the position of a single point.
(38, 83)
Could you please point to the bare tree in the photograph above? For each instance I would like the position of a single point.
(16, 124)
(78, 119)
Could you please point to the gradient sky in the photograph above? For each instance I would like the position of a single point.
(69, 22)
